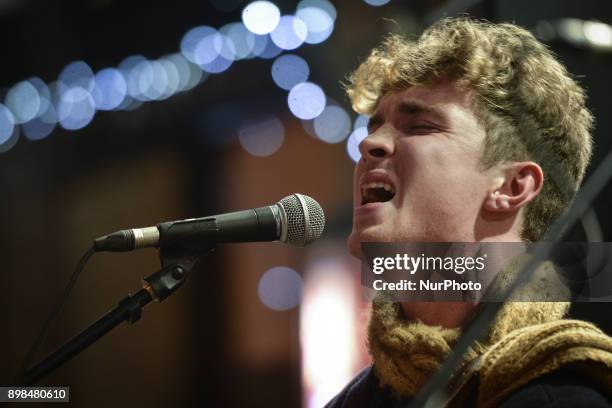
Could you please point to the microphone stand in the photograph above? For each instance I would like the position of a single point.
(157, 286)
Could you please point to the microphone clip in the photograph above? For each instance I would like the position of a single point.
(176, 265)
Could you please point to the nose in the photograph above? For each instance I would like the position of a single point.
(377, 146)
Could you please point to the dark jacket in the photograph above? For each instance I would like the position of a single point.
(563, 388)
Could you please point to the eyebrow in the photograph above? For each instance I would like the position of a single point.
(411, 107)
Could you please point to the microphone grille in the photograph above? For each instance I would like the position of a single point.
(305, 220)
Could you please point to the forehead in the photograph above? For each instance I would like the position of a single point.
(445, 98)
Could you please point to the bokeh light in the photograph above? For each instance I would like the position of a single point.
(40, 127)
(289, 70)
(329, 318)
(325, 5)
(262, 136)
(110, 89)
(258, 43)
(319, 24)
(77, 74)
(361, 121)
(270, 49)
(333, 125)
(44, 94)
(74, 98)
(190, 41)
(139, 78)
(156, 82)
(7, 124)
(306, 100)
(76, 108)
(308, 126)
(377, 3)
(280, 288)
(290, 33)
(215, 53)
(598, 34)
(197, 76)
(189, 75)
(129, 68)
(11, 141)
(352, 144)
(208, 48)
(261, 17)
(241, 38)
(23, 101)
(172, 78)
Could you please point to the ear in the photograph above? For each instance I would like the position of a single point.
(518, 184)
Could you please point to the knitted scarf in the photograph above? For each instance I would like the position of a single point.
(526, 340)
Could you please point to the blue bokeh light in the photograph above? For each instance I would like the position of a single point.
(377, 3)
(44, 94)
(7, 124)
(76, 108)
(189, 75)
(325, 5)
(208, 48)
(361, 121)
(11, 141)
(289, 70)
(215, 53)
(280, 288)
(270, 49)
(24, 101)
(319, 23)
(262, 136)
(172, 77)
(333, 125)
(110, 89)
(306, 100)
(156, 82)
(352, 143)
(257, 44)
(241, 38)
(192, 38)
(290, 33)
(42, 126)
(261, 17)
(139, 77)
(196, 76)
(77, 74)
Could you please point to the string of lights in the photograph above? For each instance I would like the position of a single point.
(35, 108)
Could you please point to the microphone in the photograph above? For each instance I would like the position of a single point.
(295, 220)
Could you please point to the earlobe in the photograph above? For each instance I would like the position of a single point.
(494, 202)
(520, 184)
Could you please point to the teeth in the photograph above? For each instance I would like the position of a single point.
(367, 186)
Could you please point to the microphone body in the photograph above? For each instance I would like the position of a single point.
(296, 220)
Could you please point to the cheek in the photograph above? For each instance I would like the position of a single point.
(438, 176)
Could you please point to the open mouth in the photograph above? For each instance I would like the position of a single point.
(376, 192)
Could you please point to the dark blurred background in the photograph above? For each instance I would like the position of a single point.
(119, 114)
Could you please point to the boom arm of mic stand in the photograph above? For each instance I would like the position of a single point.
(157, 286)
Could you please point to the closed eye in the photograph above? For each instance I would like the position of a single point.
(422, 128)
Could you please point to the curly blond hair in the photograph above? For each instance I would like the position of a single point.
(529, 105)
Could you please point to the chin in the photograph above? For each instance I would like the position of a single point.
(370, 234)
(353, 244)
